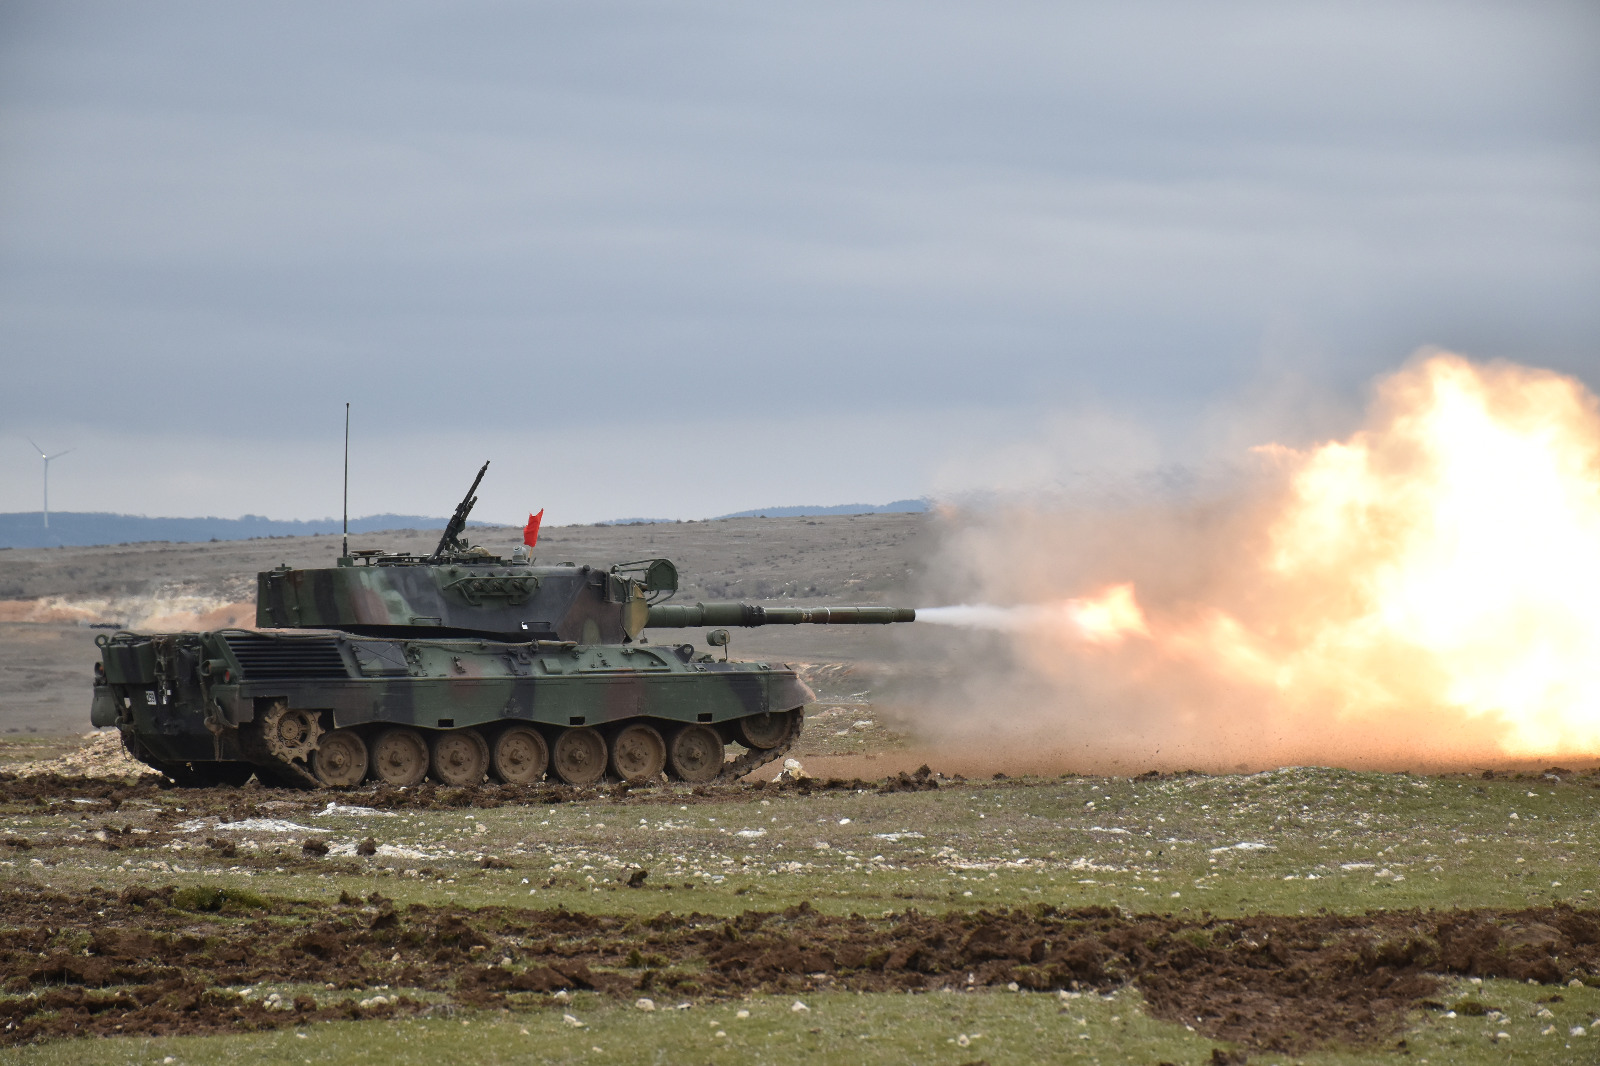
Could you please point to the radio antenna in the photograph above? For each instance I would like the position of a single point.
(346, 551)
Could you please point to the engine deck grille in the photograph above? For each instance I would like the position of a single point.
(264, 658)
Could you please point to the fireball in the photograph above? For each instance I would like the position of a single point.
(1443, 560)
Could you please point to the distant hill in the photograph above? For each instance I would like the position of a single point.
(80, 529)
(802, 511)
(807, 511)
(84, 528)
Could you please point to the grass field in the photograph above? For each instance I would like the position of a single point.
(1204, 849)
(1286, 841)
(996, 1027)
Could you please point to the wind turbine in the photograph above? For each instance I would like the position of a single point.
(47, 459)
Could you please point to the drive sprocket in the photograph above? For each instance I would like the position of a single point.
(290, 733)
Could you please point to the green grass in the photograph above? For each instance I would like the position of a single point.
(1343, 841)
(1000, 1027)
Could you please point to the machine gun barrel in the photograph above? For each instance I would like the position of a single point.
(683, 616)
(458, 521)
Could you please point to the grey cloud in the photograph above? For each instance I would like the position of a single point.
(231, 218)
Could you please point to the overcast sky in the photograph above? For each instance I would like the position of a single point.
(681, 259)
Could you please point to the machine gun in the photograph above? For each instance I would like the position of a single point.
(451, 541)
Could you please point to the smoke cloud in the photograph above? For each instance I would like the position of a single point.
(1423, 593)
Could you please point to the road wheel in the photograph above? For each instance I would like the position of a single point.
(340, 760)
(695, 754)
(520, 756)
(460, 757)
(638, 753)
(763, 731)
(400, 757)
(579, 756)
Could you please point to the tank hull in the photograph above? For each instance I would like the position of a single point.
(210, 705)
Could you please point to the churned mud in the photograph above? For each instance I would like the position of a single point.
(46, 788)
(163, 961)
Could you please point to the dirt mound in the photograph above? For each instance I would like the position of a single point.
(101, 756)
(166, 960)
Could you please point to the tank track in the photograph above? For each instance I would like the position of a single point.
(755, 757)
(287, 768)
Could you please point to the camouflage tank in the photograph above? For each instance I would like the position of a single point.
(458, 666)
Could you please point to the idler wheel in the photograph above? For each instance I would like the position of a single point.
(340, 760)
(520, 756)
(638, 753)
(763, 731)
(460, 757)
(579, 756)
(694, 754)
(400, 757)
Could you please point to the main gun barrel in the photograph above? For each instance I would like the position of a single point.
(683, 616)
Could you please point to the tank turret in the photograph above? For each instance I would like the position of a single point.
(455, 666)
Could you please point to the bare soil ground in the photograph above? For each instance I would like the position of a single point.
(176, 959)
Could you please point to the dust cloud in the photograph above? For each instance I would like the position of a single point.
(152, 613)
(1422, 594)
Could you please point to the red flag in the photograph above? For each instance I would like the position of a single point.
(530, 532)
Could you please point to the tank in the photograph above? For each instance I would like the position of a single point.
(460, 666)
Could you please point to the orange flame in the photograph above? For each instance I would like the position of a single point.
(1446, 558)
(1109, 618)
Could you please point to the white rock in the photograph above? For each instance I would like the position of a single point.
(570, 1020)
(644, 1004)
(562, 996)
(799, 1008)
(742, 1014)
(339, 810)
